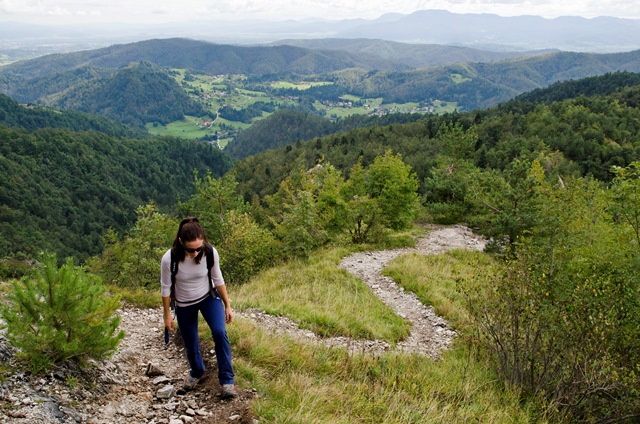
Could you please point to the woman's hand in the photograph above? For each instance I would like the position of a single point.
(228, 314)
(168, 322)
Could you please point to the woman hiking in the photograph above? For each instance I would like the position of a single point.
(198, 288)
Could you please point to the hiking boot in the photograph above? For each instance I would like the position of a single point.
(228, 391)
(190, 383)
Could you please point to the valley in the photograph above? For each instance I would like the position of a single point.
(235, 101)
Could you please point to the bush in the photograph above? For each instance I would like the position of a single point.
(61, 314)
(561, 320)
(134, 261)
(247, 248)
(14, 268)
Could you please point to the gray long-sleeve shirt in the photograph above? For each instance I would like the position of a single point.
(191, 279)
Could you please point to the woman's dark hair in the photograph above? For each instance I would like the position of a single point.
(189, 230)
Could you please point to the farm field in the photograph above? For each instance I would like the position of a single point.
(220, 94)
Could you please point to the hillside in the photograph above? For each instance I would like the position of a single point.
(33, 117)
(200, 56)
(482, 85)
(430, 336)
(134, 95)
(407, 54)
(597, 85)
(286, 127)
(551, 180)
(104, 81)
(592, 134)
(61, 190)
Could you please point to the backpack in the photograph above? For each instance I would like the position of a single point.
(208, 253)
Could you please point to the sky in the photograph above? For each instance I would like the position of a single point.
(162, 11)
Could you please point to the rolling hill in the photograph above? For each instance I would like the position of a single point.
(482, 85)
(407, 54)
(104, 81)
(32, 118)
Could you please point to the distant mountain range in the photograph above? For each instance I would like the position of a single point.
(405, 55)
(486, 31)
(479, 31)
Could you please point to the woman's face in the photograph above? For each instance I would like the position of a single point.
(193, 248)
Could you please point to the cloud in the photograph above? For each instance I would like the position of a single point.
(148, 11)
(59, 11)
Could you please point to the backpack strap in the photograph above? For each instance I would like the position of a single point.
(208, 251)
(174, 271)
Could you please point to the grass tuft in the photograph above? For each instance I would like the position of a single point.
(322, 298)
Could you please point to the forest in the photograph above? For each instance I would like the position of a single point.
(62, 189)
(550, 178)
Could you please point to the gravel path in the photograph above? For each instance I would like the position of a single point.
(430, 334)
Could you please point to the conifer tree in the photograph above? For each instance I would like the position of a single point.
(61, 314)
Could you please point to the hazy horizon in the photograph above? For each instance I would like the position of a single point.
(32, 28)
(143, 12)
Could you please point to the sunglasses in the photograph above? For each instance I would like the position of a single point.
(190, 250)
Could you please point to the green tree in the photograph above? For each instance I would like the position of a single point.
(447, 190)
(246, 248)
(510, 199)
(61, 314)
(626, 196)
(363, 218)
(393, 185)
(456, 142)
(213, 200)
(331, 207)
(134, 261)
(300, 228)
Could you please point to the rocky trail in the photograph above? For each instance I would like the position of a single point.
(141, 382)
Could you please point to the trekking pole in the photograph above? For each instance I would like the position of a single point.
(166, 329)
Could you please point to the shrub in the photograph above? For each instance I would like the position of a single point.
(247, 248)
(61, 314)
(14, 268)
(134, 261)
(561, 321)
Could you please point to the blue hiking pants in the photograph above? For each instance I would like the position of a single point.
(212, 310)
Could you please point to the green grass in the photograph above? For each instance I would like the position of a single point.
(299, 86)
(343, 112)
(323, 298)
(187, 128)
(441, 107)
(306, 383)
(438, 280)
(250, 93)
(301, 382)
(140, 298)
(458, 78)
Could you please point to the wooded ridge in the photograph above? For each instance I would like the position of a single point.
(92, 80)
